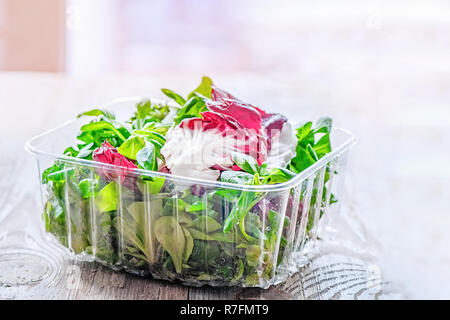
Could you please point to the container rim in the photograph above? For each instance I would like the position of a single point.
(29, 147)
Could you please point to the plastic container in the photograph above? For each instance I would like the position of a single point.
(133, 231)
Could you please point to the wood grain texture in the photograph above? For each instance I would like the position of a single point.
(33, 268)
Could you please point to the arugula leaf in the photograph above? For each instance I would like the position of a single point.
(98, 112)
(323, 146)
(102, 125)
(148, 112)
(274, 219)
(175, 96)
(203, 89)
(144, 108)
(302, 160)
(308, 151)
(54, 173)
(323, 125)
(246, 201)
(305, 135)
(191, 109)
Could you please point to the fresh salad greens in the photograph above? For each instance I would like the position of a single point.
(174, 229)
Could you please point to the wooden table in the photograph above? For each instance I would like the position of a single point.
(32, 268)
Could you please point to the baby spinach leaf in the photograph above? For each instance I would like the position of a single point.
(157, 127)
(197, 206)
(237, 177)
(171, 236)
(204, 255)
(198, 235)
(152, 135)
(151, 185)
(230, 237)
(205, 224)
(245, 162)
(146, 157)
(106, 199)
(189, 244)
(244, 204)
(253, 254)
(138, 226)
(228, 194)
(131, 147)
(280, 175)
(239, 270)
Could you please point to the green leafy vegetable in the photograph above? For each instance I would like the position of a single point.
(191, 109)
(246, 162)
(154, 224)
(309, 150)
(106, 199)
(98, 112)
(171, 236)
(203, 89)
(131, 147)
(175, 96)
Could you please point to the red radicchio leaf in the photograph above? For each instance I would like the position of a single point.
(164, 169)
(236, 120)
(218, 94)
(106, 153)
(270, 122)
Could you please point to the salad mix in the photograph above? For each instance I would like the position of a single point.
(150, 223)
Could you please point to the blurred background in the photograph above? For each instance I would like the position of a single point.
(379, 68)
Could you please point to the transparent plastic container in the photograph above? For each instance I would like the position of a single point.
(159, 234)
